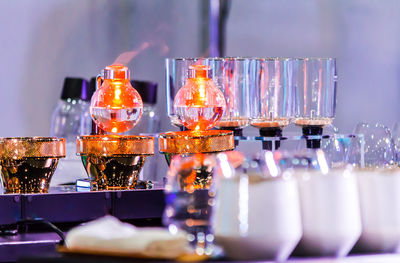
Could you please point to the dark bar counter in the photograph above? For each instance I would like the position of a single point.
(66, 210)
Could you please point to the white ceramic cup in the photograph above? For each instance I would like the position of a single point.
(330, 212)
(257, 219)
(380, 209)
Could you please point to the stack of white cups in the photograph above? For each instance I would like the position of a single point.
(330, 212)
(380, 209)
(267, 213)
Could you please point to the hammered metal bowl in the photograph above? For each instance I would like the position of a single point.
(187, 143)
(28, 163)
(113, 162)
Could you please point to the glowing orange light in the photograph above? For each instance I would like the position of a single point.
(199, 104)
(116, 106)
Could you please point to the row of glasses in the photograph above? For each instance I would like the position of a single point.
(230, 75)
(266, 93)
(377, 149)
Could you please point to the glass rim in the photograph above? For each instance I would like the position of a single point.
(315, 58)
(274, 59)
(110, 137)
(32, 139)
(184, 59)
(209, 141)
(250, 58)
(110, 145)
(24, 147)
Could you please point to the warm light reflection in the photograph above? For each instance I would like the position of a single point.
(199, 104)
(116, 106)
(117, 95)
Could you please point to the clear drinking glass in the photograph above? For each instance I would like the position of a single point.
(176, 74)
(272, 95)
(315, 91)
(231, 75)
(315, 95)
(377, 148)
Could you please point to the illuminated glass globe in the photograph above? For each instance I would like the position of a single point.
(199, 104)
(116, 106)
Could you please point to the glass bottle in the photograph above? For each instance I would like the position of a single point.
(70, 119)
(149, 125)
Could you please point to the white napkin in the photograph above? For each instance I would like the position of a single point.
(108, 234)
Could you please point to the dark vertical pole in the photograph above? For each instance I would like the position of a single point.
(217, 15)
(214, 33)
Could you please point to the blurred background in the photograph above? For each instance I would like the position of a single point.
(44, 41)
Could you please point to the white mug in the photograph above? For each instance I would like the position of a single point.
(330, 212)
(257, 218)
(380, 209)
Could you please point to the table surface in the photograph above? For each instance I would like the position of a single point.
(58, 258)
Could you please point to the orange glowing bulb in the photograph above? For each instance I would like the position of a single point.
(199, 104)
(116, 106)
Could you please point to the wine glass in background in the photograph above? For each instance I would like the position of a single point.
(176, 74)
(378, 184)
(231, 75)
(396, 140)
(333, 148)
(376, 148)
(315, 95)
(272, 96)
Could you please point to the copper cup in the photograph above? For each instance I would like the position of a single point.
(113, 162)
(28, 163)
(197, 144)
(186, 143)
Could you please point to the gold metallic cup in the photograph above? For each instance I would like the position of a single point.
(28, 163)
(189, 142)
(113, 162)
(186, 143)
(196, 143)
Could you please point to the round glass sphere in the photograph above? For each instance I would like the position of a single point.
(116, 106)
(199, 104)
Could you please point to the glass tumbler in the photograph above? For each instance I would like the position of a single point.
(272, 95)
(315, 95)
(232, 76)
